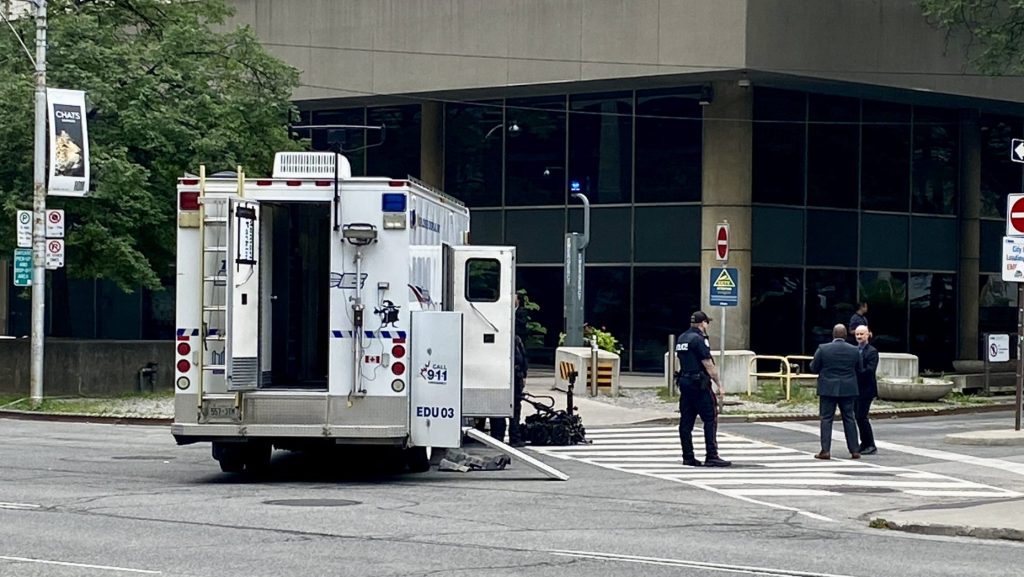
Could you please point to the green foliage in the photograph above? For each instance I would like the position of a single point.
(605, 340)
(990, 31)
(774, 391)
(535, 332)
(170, 86)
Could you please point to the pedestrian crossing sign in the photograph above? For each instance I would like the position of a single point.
(724, 281)
(724, 284)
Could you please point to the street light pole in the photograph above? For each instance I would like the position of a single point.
(39, 209)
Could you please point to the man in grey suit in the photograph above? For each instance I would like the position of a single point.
(837, 365)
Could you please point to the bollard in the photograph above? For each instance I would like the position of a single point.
(593, 367)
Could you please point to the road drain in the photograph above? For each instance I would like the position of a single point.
(311, 502)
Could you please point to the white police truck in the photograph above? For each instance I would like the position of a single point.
(315, 308)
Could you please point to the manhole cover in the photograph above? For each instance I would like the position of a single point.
(312, 502)
(142, 458)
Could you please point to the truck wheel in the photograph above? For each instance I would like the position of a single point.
(257, 457)
(416, 460)
(230, 456)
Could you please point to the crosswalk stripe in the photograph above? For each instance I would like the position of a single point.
(761, 469)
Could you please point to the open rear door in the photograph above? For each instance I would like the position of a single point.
(243, 298)
(480, 283)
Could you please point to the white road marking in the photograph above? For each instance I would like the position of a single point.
(1010, 466)
(743, 569)
(82, 565)
(19, 506)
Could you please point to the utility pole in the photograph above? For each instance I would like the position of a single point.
(39, 208)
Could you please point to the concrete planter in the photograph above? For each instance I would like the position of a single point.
(907, 390)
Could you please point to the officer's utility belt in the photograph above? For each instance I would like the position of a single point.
(700, 378)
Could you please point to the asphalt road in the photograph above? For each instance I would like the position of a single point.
(83, 499)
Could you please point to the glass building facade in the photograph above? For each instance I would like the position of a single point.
(851, 199)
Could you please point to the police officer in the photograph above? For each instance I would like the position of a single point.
(696, 372)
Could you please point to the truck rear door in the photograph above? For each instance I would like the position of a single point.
(243, 295)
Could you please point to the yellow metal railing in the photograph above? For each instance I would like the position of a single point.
(788, 370)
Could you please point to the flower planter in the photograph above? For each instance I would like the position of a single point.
(908, 390)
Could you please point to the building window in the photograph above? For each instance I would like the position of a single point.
(831, 238)
(885, 157)
(936, 160)
(607, 303)
(398, 156)
(886, 295)
(780, 135)
(776, 310)
(1000, 176)
(538, 235)
(663, 300)
(668, 145)
(997, 308)
(667, 234)
(778, 235)
(473, 138)
(535, 167)
(830, 299)
(601, 146)
(933, 330)
(483, 280)
(609, 235)
(884, 240)
(833, 141)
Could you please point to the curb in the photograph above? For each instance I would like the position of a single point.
(84, 418)
(957, 531)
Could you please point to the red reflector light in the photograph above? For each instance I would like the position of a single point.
(293, 182)
(184, 366)
(184, 349)
(324, 182)
(264, 182)
(398, 368)
(188, 200)
(397, 183)
(398, 351)
(189, 181)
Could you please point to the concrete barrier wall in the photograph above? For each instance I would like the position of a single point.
(86, 367)
(735, 369)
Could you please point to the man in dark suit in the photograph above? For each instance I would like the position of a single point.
(837, 365)
(867, 383)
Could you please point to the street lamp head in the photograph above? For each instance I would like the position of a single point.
(514, 127)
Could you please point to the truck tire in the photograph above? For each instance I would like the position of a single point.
(416, 460)
(257, 457)
(230, 456)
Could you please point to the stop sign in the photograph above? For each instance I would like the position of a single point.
(722, 241)
(1015, 215)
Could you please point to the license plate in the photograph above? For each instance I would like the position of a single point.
(220, 413)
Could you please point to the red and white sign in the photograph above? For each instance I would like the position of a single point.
(722, 241)
(1015, 215)
(54, 223)
(54, 253)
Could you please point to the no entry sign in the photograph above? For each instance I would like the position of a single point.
(1015, 215)
(722, 241)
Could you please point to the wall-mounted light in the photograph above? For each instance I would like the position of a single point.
(513, 128)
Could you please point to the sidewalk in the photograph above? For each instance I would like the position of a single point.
(987, 520)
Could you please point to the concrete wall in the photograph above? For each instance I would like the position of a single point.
(884, 42)
(74, 367)
(365, 47)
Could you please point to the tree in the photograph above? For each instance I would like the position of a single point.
(993, 29)
(169, 86)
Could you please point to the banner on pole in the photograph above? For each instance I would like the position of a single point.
(69, 143)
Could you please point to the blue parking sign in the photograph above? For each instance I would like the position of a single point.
(725, 287)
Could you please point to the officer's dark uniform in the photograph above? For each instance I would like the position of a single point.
(695, 394)
(521, 366)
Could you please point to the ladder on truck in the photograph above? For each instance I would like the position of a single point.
(214, 212)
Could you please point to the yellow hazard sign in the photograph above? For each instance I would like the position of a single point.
(724, 281)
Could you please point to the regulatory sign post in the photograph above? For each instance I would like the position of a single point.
(25, 229)
(725, 293)
(1013, 269)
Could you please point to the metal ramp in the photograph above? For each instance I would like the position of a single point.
(497, 445)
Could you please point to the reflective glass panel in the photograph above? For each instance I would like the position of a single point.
(667, 234)
(886, 295)
(831, 297)
(885, 157)
(538, 235)
(833, 141)
(543, 286)
(933, 320)
(780, 125)
(607, 303)
(473, 136)
(778, 235)
(668, 145)
(999, 175)
(535, 166)
(775, 310)
(663, 300)
(601, 145)
(398, 155)
(884, 240)
(831, 238)
(936, 160)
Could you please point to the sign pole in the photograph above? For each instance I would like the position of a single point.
(39, 208)
(1020, 355)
